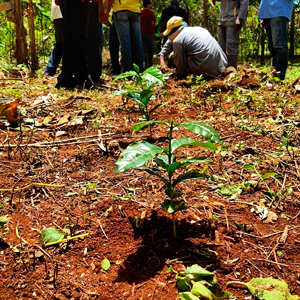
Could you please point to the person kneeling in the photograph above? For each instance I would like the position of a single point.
(192, 50)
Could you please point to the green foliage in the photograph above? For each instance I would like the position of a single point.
(267, 289)
(198, 283)
(51, 235)
(142, 92)
(105, 264)
(138, 154)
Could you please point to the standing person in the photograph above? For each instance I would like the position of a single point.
(127, 21)
(275, 16)
(95, 42)
(233, 15)
(194, 50)
(56, 53)
(172, 10)
(74, 62)
(148, 22)
(114, 46)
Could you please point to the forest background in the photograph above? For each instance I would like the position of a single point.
(34, 50)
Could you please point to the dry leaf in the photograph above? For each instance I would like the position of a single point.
(272, 217)
(10, 111)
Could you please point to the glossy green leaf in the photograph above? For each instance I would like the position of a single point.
(202, 291)
(204, 130)
(125, 75)
(172, 207)
(268, 175)
(184, 283)
(188, 296)
(137, 155)
(183, 142)
(153, 75)
(105, 264)
(268, 289)
(156, 107)
(152, 172)
(146, 96)
(51, 235)
(197, 270)
(248, 167)
(187, 176)
(141, 125)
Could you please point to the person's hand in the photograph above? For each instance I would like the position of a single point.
(261, 23)
(237, 24)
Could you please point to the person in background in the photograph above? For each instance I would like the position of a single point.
(148, 22)
(95, 42)
(194, 50)
(114, 46)
(274, 17)
(233, 15)
(56, 53)
(127, 21)
(172, 10)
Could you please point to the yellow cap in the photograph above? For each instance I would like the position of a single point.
(172, 23)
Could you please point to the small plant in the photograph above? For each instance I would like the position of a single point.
(142, 92)
(138, 154)
(197, 283)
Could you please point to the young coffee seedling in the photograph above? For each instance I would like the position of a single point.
(142, 92)
(138, 154)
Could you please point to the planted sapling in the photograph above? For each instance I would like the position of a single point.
(138, 154)
(142, 92)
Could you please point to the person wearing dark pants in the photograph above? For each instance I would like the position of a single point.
(114, 46)
(74, 65)
(274, 17)
(56, 53)
(148, 22)
(95, 41)
(233, 15)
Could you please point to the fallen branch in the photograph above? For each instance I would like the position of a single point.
(29, 185)
(67, 239)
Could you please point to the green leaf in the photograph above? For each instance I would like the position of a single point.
(268, 289)
(173, 207)
(187, 176)
(137, 155)
(176, 194)
(145, 96)
(201, 290)
(162, 161)
(248, 167)
(184, 283)
(188, 296)
(3, 220)
(152, 172)
(204, 130)
(153, 75)
(51, 235)
(268, 175)
(143, 124)
(105, 264)
(124, 75)
(136, 67)
(156, 107)
(197, 270)
(183, 142)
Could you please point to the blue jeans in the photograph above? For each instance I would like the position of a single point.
(56, 53)
(129, 33)
(277, 33)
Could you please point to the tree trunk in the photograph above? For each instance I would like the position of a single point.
(205, 14)
(292, 36)
(34, 58)
(20, 31)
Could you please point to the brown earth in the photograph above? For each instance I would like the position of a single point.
(47, 174)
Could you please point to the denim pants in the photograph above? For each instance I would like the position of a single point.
(129, 33)
(277, 33)
(56, 53)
